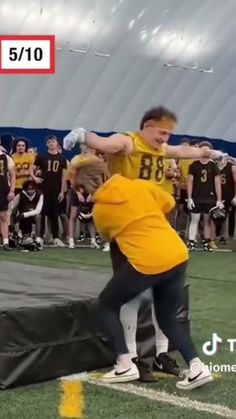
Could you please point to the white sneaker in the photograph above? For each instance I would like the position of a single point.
(58, 243)
(106, 247)
(77, 136)
(117, 375)
(71, 244)
(94, 244)
(192, 381)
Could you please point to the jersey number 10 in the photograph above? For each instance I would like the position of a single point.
(53, 166)
(148, 163)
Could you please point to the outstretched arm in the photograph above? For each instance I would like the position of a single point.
(186, 152)
(117, 143)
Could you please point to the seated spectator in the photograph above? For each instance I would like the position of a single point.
(28, 204)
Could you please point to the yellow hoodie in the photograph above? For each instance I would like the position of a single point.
(132, 212)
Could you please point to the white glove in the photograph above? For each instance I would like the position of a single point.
(190, 204)
(220, 204)
(76, 136)
(233, 202)
(217, 155)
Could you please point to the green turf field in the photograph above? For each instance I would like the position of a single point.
(212, 279)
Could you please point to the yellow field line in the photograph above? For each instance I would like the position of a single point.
(72, 399)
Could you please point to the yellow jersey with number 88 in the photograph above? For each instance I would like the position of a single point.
(145, 162)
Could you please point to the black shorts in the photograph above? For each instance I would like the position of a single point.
(74, 200)
(3, 200)
(183, 197)
(202, 208)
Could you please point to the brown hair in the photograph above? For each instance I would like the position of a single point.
(206, 144)
(157, 114)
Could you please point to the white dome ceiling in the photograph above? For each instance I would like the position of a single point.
(126, 56)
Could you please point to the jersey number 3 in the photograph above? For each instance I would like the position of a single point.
(148, 163)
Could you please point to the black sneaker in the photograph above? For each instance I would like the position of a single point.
(207, 247)
(164, 363)
(223, 241)
(7, 248)
(145, 370)
(191, 245)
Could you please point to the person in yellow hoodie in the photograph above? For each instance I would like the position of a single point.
(137, 225)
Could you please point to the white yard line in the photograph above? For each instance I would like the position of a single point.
(171, 399)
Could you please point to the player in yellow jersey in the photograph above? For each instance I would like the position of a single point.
(140, 154)
(22, 161)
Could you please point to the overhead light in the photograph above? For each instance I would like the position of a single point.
(131, 24)
(156, 30)
(191, 67)
(170, 65)
(142, 13)
(100, 54)
(77, 51)
(113, 10)
(210, 70)
(143, 36)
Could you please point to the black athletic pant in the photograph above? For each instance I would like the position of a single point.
(168, 292)
(51, 209)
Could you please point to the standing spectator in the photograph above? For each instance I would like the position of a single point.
(228, 185)
(7, 188)
(204, 192)
(183, 214)
(32, 150)
(22, 160)
(53, 184)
